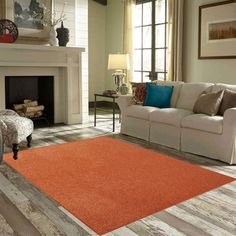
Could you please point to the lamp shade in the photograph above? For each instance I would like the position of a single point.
(118, 62)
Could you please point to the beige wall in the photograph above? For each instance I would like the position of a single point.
(114, 34)
(105, 36)
(194, 70)
(97, 48)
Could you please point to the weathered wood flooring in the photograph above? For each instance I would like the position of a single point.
(24, 210)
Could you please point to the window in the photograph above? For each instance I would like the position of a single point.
(150, 40)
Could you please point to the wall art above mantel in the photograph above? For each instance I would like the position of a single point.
(21, 13)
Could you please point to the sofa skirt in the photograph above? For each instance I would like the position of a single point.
(166, 135)
(207, 144)
(135, 127)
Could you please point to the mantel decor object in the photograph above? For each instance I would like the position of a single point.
(50, 19)
(52, 37)
(118, 62)
(63, 35)
(8, 31)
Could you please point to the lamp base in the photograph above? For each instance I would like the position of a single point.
(119, 76)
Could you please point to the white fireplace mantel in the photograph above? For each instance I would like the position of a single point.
(64, 63)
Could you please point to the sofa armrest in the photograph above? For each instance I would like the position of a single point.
(229, 124)
(124, 101)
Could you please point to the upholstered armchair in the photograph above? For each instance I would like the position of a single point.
(15, 129)
(3, 131)
(8, 112)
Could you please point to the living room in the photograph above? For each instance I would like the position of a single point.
(117, 117)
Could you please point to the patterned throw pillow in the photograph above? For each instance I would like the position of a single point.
(139, 93)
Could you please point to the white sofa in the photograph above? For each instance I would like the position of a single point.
(179, 128)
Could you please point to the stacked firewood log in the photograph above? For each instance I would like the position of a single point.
(29, 109)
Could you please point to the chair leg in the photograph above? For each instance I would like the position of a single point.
(29, 139)
(15, 150)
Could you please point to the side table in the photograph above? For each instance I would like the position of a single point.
(113, 97)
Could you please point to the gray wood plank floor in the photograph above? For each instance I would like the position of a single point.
(24, 210)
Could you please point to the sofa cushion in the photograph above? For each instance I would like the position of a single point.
(190, 92)
(229, 101)
(158, 96)
(140, 112)
(209, 103)
(170, 116)
(212, 124)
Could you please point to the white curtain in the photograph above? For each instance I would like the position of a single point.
(128, 35)
(175, 45)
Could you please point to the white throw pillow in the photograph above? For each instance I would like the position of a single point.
(190, 92)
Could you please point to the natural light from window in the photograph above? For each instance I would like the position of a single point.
(150, 40)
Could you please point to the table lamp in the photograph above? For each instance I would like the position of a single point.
(118, 62)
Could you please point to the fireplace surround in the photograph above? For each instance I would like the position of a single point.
(63, 63)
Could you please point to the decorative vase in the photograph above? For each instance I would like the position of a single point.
(52, 37)
(124, 89)
(63, 35)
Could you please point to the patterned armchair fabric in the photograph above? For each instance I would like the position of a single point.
(14, 128)
(3, 128)
(1, 146)
(8, 113)
(18, 128)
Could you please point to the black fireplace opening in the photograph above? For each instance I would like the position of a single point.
(33, 88)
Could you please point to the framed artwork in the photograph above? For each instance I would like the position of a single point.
(217, 30)
(21, 13)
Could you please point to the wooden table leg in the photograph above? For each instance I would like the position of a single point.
(114, 114)
(95, 110)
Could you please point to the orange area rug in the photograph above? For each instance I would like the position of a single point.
(108, 183)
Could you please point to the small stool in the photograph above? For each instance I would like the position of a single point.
(18, 129)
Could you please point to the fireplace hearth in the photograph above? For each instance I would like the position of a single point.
(31, 97)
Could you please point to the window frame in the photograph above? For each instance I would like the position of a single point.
(153, 74)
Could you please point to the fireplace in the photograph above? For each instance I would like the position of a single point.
(63, 63)
(23, 89)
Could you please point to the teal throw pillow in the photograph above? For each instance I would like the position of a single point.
(158, 96)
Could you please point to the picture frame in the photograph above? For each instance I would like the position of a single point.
(29, 30)
(217, 30)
